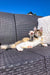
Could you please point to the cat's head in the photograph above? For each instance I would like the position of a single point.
(37, 32)
(31, 33)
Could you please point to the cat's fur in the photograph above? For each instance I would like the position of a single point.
(38, 39)
(25, 43)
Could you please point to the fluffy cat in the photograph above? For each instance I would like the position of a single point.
(38, 39)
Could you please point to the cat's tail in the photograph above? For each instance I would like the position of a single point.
(3, 46)
(7, 46)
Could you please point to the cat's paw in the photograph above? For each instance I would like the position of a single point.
(45, 45)
(20, 49)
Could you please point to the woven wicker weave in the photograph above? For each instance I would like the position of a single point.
(13, 62)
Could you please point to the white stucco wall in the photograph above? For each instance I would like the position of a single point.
(44, 22)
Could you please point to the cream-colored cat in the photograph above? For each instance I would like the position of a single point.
(25, 43)
(38, 39)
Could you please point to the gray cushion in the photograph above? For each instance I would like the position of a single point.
(23, 63)
(7, 28)
(25, 23)
(44, 51)
(23, 30)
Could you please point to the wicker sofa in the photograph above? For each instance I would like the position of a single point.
(35, 61)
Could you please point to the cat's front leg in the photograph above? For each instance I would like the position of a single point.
(19, 48)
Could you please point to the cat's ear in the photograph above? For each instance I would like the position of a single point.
(35, 28)
(41, 29)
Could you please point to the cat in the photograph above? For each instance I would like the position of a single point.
(25, 43)
(38, 39)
